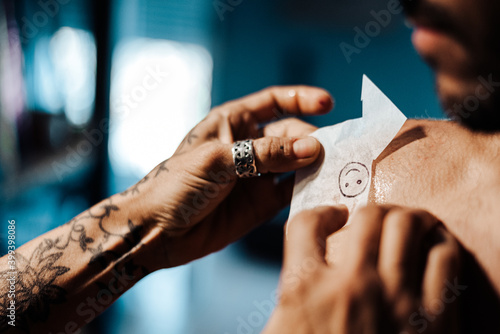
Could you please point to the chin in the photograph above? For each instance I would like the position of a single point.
(471, 103)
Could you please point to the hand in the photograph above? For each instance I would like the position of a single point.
(195, 196)
(397, 274)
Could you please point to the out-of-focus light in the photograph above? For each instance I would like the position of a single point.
(46, 90)
(74, 57)
(159, 90)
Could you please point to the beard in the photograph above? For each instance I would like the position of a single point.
(473, 103)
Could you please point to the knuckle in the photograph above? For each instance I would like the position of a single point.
(450, 255)
(369, 212)
(304, 223)
(223, 112)
(304, 220)
(404, 217)
(445, 254)
(214, 116)
(272, 89)
(211, 155)
(314, 217)
(450, 242)
(248, 118)
(274, 149)
(216, 111)
(408, 219)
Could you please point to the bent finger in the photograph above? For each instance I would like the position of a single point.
(441, 285)
(401, 251)
(281, 155)
(278, 102)
(307, 234)
(366, 229)
(290, 127)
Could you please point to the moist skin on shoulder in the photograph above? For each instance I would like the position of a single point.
(453, 173)
(441, 167)
(449, 171)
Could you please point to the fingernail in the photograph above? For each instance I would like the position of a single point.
(326, 102)
(305, 148)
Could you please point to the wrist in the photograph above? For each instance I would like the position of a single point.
(133, 222)
(161, 239)
(130, 209)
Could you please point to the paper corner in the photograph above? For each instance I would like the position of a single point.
(366, 86)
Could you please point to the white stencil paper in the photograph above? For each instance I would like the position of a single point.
(344, 175)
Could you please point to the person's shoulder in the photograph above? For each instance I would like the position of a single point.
(474, 155)
(426, 162)
(429, 143)
(485, 160)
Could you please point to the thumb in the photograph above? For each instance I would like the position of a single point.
(281, 155)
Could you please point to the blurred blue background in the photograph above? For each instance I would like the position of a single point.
(153, 69)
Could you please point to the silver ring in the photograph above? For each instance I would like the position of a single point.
(244, 159)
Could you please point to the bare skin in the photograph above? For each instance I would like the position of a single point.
(187, 207)
(453, 173)
(422, 169)
(449, 171)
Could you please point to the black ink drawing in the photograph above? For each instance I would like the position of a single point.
(353, 179)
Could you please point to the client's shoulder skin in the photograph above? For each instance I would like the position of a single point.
(452, 172)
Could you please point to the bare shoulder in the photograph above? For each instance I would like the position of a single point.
(424, 161)
(451, 172)
(438, 166)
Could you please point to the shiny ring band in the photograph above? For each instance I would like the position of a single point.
(244, 159)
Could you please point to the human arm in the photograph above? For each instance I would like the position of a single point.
(187, 207)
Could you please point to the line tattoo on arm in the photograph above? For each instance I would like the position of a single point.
(135, 188)
(35, 275)
(162, 168)
(188, 140)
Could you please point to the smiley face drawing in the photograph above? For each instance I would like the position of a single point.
(353, 179)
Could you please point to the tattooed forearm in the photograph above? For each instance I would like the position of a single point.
(190, 137)
(99, 241)
(105, 257)
(162, 168)
(35, 291)
(135, 188)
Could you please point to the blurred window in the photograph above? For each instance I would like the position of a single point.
(74, 70)
(160, 89)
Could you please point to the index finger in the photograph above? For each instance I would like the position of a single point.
(366, 229)
(282, 101)
(441, 284)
